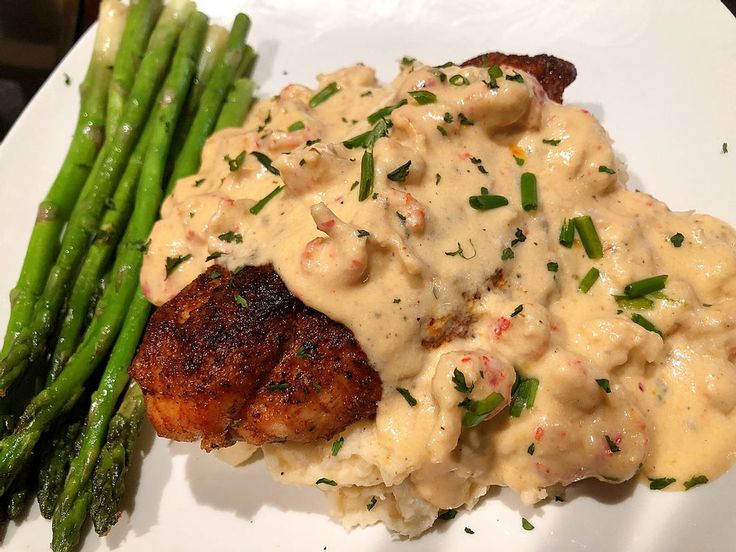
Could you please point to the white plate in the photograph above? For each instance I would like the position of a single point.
(660, 76)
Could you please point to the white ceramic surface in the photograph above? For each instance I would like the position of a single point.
(660, 75)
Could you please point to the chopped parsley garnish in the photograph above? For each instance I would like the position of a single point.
(469, 531)
(323, 95)
(550, 142)
(447, 117)
(517, 310)
(362, 233)
(214, 275)
(297, 125)
(337, 445)
(280, 386)
(385, 111)
(366, 175)
(460, 253)
(397, 301)
(553, 267)
(400, 173)
(528, 191)
(262, 203)
(464, 120)
(407, 396)
(530, 449)
(325, 481)
(507, 254)
(525, 522)
(459, 80)
(230, 237)
(240, 300)
(371, 504)
(478, 411)
(567, 233)
(607, 170)
(441, 130)
(604, 384)
(660, 483)
(516, 77)
(612, 446)
(523, 395)
(407, 61)
(589, 236)
(266, 162)
(199, 182)
(647, 285)
(458, 378)
(588, 280)
(173, 262)
(423, 97)
(305, 350)
(447, 515)
(677, 239)
(694, 481)
(494, 72)
(236, 163)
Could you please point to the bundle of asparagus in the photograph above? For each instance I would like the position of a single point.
(160, 81)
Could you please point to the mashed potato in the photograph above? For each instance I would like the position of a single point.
(497, 368)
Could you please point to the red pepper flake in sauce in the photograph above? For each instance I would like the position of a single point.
(501, 325)
(539, 433)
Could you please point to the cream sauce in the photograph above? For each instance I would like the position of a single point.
(421, 309)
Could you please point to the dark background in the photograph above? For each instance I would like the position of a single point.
(36, 34)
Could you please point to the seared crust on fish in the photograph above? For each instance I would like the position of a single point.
(236, 357)
(553, 73)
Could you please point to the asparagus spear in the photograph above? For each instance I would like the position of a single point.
(108, 481)
(187, 162)
(141, 18)
(214, 44)
(236, 105)
(66, 536)
(54, 211)
(56, 453)
(66, 522)
(111, 227)
(31, 343)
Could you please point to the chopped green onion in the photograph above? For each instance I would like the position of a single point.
(371, 504)
(677, 239)
(386, 111)
(613, 447)
(366, 175)
(660, 483)
(724, 147)
(407, 61)
(693, 481)
(400, 173)
(323, 95)
(567, 233)
(447, 117)
(298, 125)
(624, 302)
(553, 267)
(588, 280)
(407, 396)
(515, 77)
(369, 137)
(266, 162)
(464, 120)
(507, 254)
(230, 237)
(644, 323)
(447, 515)
(459, 251)
(528, 191)
(262, 203)
(647, 285)
(550, 142)
(441, 130)
(280, 386)
(337, 445)
(214, 255)
(604, 384)
(589, 236)
(607, 170)
(524, 396)
(423, 97)
(484, 202)
(517, 310)
(477, 411)
(494, 72)
(530, 449)
(519, 160)
(326, 481)
(459, 80)
(525, 522)
(469, 531)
